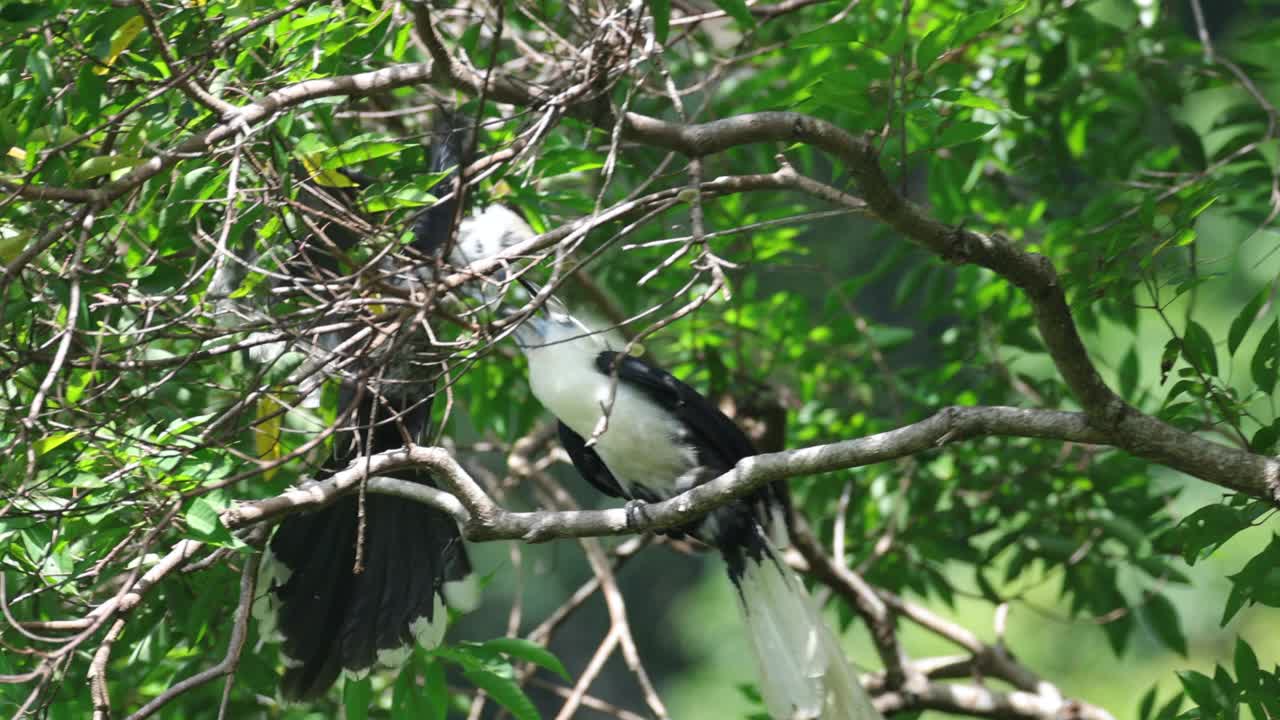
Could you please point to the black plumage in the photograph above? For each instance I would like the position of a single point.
(433, 228)
(332, 615)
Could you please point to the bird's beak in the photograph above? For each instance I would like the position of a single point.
(536, 327)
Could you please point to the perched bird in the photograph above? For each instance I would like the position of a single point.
(653, 436)
(330, 616)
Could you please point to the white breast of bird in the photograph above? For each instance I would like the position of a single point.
(641, 444)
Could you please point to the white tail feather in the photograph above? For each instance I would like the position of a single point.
(803, 671)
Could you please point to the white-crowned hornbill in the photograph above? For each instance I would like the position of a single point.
(662, 437)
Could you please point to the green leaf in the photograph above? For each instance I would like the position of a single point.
(961, 132)
(1257, 582)
(322, 176)
(932, 44)
(505, 691)
(50, 442)
(1190, 145)
(1054, 63)
(1265, 439)
(357, 696)
(1129, 373)
(1198, 349)
(738, 10)
(1017, 88)
(1226, 688)
(1169, 357)
(436, 690)
(986, 588)
(1240, 326)
(1201, 689)
(102, 165)
(1246, 664)
(402, 198)
(202, 516)
(1160, 569)
(837, 34)
(345, 156)
(1164, 621)
(1203, 531)
(120, 42)
(527, 650)
(408, 701)
(965, 98)
(1148, 704)
(1170, 709)
(661, 12)
(1263, 366)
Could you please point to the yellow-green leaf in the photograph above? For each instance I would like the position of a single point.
(12, 244)
(120, 42)
(102, 165)
(47, 444)
(266, 430)
(322, 176)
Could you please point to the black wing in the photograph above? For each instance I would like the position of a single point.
(589, 465)
(433, 228)
(593, 470)
(719, 442)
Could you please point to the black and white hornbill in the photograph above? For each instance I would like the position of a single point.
(662, 437)
(329, 617)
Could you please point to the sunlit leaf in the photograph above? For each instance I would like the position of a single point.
(120, 42)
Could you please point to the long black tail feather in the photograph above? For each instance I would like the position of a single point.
(332, 618)
(433, 226)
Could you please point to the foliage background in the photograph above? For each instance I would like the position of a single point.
(1133, 144)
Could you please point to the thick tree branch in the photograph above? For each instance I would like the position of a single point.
(906, 685)
(1127, 427)
(482, 519)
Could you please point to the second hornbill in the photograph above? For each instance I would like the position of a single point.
(662, 437)
(330, 615)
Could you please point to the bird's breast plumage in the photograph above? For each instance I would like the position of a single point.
(642, 444)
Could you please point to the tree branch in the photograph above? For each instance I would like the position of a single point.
(982, 701)
(482, 519)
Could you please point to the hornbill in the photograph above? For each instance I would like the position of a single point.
(330, 616)
(653, 437)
